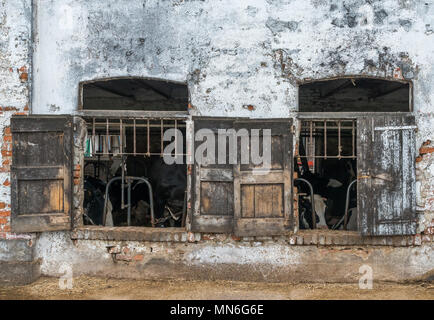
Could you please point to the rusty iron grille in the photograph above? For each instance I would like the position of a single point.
(131, 136)
(327, 139)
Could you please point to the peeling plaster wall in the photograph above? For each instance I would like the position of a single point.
(231, 53)
(15, 68)
(230, 260)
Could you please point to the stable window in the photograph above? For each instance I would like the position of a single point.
(356, 156)
(132, 126)
(128, 181)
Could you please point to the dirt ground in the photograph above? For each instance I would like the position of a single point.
(91, 288)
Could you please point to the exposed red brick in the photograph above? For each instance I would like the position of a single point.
(3, 220)
(7, 130)
(7, 138)
(235, 238)
(419, 159)
(429, 230)
(138, 257)
(7, 183)
(425, 150)
(426, 143)
(7, 228)
(123, 257)
(5, 213)
(9, 109)
(6, 153)
(2, 205)
(24, 77)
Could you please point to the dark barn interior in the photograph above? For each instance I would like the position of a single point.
(135, 94)
(127, 182)
(354, 95)
(326, 161)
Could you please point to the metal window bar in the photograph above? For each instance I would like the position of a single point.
(317, 129)
(104, 133)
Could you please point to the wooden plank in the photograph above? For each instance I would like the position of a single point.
(346, 115)
(386, 186)
(216, 198)
(35, 123)
(39, 173)
(137, 114)
(263, 203)
(41, 190)
(216, 175)
(213, 185)
(214, 224)
(248, 201)
(248, 227)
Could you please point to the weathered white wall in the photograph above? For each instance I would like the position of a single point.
(230, 51)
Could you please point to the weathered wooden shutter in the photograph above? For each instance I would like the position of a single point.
(263, 203)
(386, 175)
(213, 185)
(41, 173)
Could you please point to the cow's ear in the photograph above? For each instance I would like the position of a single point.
(386, 197)
(41, 173)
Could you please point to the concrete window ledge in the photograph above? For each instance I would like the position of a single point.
(134, 234)
(304, 237)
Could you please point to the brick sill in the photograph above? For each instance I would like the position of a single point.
(340, 237)
(134, 234)
(303, 237)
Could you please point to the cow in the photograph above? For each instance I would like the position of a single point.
(93, 204)
(330, 192)
(140, 209)
(169, 183)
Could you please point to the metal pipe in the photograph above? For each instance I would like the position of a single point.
(151, 199)
(161, 137)
(325, 139)
(148, 138)
(129, 204)
(312, 202)
(347, 203)
(339, 139)
(135, 149)
(123, 183)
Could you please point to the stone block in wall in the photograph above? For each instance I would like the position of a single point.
(18, 265)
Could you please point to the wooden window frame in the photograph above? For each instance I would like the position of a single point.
(300, 116)
(84, 232)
